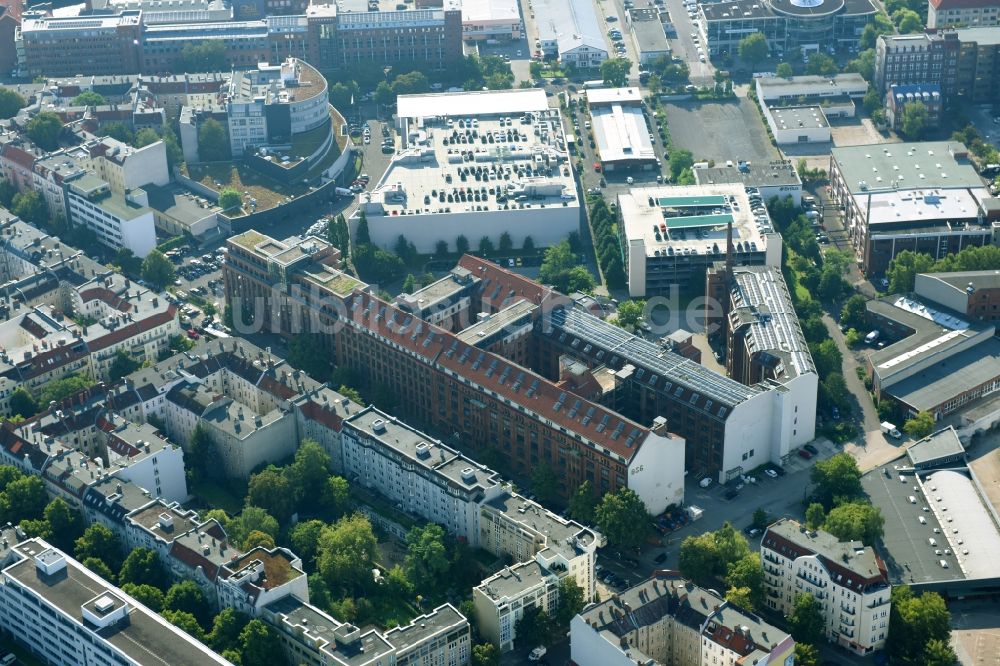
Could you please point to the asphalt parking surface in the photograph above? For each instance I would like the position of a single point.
(737, 130)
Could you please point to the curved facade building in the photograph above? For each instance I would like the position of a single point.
(271, 104)
(812, 25)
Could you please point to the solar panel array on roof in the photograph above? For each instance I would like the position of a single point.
(667, 371)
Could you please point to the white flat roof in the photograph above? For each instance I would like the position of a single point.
(922, 205)
(471, 103)
(621, 134)
(612, 95)
(697, 218)
(795, 117)
(490, 10)
(964, 515)
(841, 84)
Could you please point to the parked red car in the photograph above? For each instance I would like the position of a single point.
(804, 454)
(193, 334)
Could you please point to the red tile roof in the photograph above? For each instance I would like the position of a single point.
(501, 287)
(522, 386)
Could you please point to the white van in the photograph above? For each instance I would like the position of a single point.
(943, 563)
(931, 542)
(923, 521)
(913, 500)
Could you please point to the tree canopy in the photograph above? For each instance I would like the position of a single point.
(920, 425)
(213, 141)
(915, 120)
(561, 268)
(614, 71)
(836, 478)
(753, 48)
(44, 129)
(917, 626)
(157, 270)
(10, 103)
(622, 518)
(806, 622)
(855, 521)
(89, 98)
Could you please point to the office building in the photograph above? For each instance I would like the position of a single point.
(392, 38)
(272, 104)
(667, 620)
(728, 427)
(516, 177)
(979, 65)
(764, 342)
(847, 579)
(438, 375)
(647, 25)
(916, 59)
(962, 13)
(623, 139)
(80, 45)
(68, 615)
(775, 178)
(923, 197)
(671, 234)
(786, 24)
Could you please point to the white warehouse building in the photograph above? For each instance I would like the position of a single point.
(475, 164)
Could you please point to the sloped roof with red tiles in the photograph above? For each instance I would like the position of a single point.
(521, 386)
(401, 328)
(500, 287)
(106, 296)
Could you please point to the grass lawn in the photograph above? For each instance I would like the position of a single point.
(268, 192)
(217, 495)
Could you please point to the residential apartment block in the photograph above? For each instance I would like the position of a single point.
(314, 638)
(667, 620)
(45, 283)
(68, 615)
(848, 580)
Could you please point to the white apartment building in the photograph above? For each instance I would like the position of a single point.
(849, 580)
(311, 637)
(117, 221)
(125, 168)
(667, 620)
(417, 473)
(140, 454)
(68, 615)
(502, 599)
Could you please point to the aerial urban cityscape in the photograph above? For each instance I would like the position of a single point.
(499, 332)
